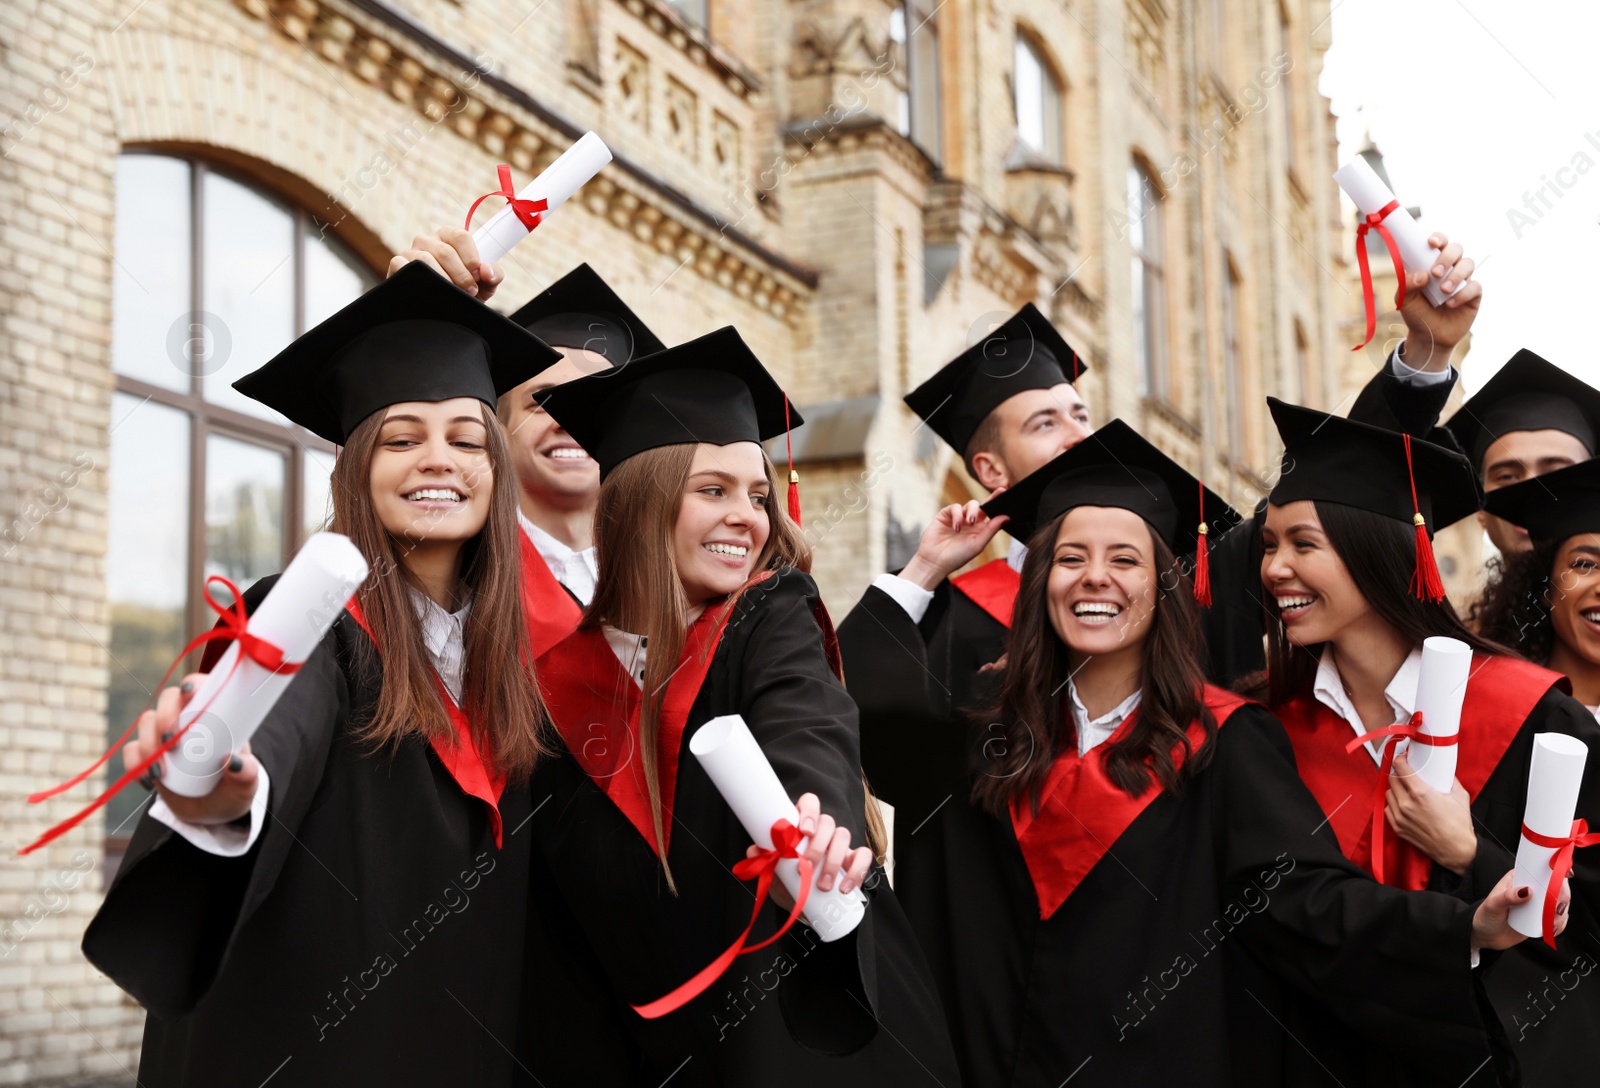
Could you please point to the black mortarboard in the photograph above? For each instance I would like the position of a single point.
(580, 310)
(1025, 353)
(1554, 506)
(1328, 458)
(1116, 466)
(712, 389)
(415, 336)
(1527, 394)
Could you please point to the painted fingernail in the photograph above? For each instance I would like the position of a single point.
(1524, 893)
(146, 781)
(166, 736)
(187, 687)
(236, 763)
(155, 772)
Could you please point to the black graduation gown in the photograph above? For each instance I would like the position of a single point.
(1191, 950)
(373, 934)
(1234, 624)
(1546, 999)
(778, 1014)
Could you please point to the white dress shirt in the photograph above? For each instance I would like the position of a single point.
(630, 651)
(444, 635)
(1401, 693)
(579, 571)
(1092, 733)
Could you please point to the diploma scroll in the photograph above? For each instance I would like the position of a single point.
(565, 176)
(1370, 196)
(1554, 778)
(746, 780)
(1441, 689)
(294, 616)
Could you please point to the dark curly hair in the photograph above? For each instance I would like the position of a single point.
(1515, 606)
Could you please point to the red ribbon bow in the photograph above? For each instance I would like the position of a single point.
(1375, 222)
(529, 212)
(1560, 866)
(786, 839)
(1411, 731)
(233, 625)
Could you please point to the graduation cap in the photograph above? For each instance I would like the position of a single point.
(1328, 458)
(711, 389)
(415, 336)
(1527, 394)
(1116, 466)
(1025, 353)
(1554, 506)
(580, 310)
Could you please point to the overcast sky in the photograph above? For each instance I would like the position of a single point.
(1477, 105)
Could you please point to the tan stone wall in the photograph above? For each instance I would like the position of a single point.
(813, 242)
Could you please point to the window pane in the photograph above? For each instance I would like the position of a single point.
(333, 278)
(151, 280)
(244, 509)
(316, 471)
(693, 11)
(924, 82)
(1030, 96)
(146, 565)
(248, 287)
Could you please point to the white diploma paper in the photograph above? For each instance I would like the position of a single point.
(1369, 194)
(565, 176)
(1553, 781)
(1441, 689)
(293, 617)
(741, 773)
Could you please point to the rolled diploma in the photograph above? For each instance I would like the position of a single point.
(293, 617)
(1553, 782)
(741, 773)
(565, 176)
(1369, 194)
(1441, 689)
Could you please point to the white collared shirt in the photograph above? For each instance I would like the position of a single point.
(915, 600)
(1412, 376)
(1401, 693)
(578, 570)
(630, 651)
(445, 637)
(1092, 733)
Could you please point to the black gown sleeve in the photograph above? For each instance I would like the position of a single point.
(170, 916)
(1396, 405)
(1389, 964)
(913, 745)
(806, 724)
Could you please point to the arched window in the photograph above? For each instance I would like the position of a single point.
(1037, 97)
(213, 275)
(1146, 234)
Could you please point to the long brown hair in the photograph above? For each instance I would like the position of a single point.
(1030, 725)
(1380, 554)
(639, 591)
(500, 696)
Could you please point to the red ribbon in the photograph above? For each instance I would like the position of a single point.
(1560, 866)
(529, 212)
(786, 839)
(232, 626)
(1375, 222)
(1411, 731)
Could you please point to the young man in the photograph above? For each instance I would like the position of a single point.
(584, 320)
(921, 648)
(1532, 417)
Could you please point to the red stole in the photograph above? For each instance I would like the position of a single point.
(993, 588)
(1083, 813)
(552, 612)
(459, 754)
(1501, 693)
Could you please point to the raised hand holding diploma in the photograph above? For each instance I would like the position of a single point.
(537, 200)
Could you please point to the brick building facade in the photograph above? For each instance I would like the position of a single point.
(859, 185)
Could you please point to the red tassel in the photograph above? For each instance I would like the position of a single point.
(1202, 559)
(1426, 584)
(794, 496)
